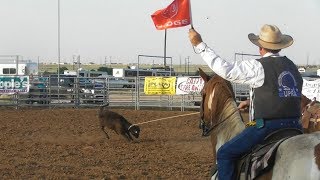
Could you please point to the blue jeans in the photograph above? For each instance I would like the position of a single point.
(230, 152)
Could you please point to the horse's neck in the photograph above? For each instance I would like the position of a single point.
(232, 126)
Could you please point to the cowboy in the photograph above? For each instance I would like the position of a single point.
(275, 93)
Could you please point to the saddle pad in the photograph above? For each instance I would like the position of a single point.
(264, 162)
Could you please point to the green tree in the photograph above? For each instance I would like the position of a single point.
(46, 73)
(105, 69)
(62, 69)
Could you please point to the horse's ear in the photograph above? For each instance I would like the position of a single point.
(204, 76)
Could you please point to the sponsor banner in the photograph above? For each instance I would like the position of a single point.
(189, 85)
(14, 84)
(311, 89)
(160, 85)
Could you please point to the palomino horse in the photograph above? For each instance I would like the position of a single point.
(310, 115)
(297, 157)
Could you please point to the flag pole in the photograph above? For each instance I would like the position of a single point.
(190, 12)
(165, 49)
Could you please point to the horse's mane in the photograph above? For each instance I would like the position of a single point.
(216, 80)
(223, 91)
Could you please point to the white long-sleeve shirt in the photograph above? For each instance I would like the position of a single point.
(248, 72)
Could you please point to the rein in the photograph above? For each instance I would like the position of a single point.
(207, 132)
(162, 119)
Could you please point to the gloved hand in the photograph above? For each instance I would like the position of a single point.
(243, 106)
(195, 37)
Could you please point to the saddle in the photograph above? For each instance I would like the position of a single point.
(261, 158)
(311, 117)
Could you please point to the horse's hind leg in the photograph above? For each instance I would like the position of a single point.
(102, 128)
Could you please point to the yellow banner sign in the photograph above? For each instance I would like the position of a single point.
(160, 85)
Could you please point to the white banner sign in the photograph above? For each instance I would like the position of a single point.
(311, 89)
(189, 85)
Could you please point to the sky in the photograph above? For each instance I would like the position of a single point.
(119, 30)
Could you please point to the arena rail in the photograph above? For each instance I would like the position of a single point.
(79, 92)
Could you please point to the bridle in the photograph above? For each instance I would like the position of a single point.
(207, 130)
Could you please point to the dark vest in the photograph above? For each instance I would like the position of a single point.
(280, 94)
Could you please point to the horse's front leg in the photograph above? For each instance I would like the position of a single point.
(214, 167)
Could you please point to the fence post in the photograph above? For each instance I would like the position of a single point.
(16, 99)
(182, 102)
(137, 106)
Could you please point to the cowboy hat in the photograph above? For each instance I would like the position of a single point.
(270, 37)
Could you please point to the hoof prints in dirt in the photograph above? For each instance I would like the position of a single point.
(68, 143)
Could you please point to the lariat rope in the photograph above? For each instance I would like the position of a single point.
(162, 119)
(220, 122)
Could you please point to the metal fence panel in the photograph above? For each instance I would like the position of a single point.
(74, 91)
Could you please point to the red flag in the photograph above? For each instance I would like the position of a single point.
(177, 14)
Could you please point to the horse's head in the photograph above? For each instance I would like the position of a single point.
(215, 93)
(306, 103)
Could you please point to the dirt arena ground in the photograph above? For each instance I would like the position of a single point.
(68, 144)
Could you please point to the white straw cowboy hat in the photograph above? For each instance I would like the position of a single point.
(270, 37)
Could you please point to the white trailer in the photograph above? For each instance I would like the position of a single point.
(23, 68)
